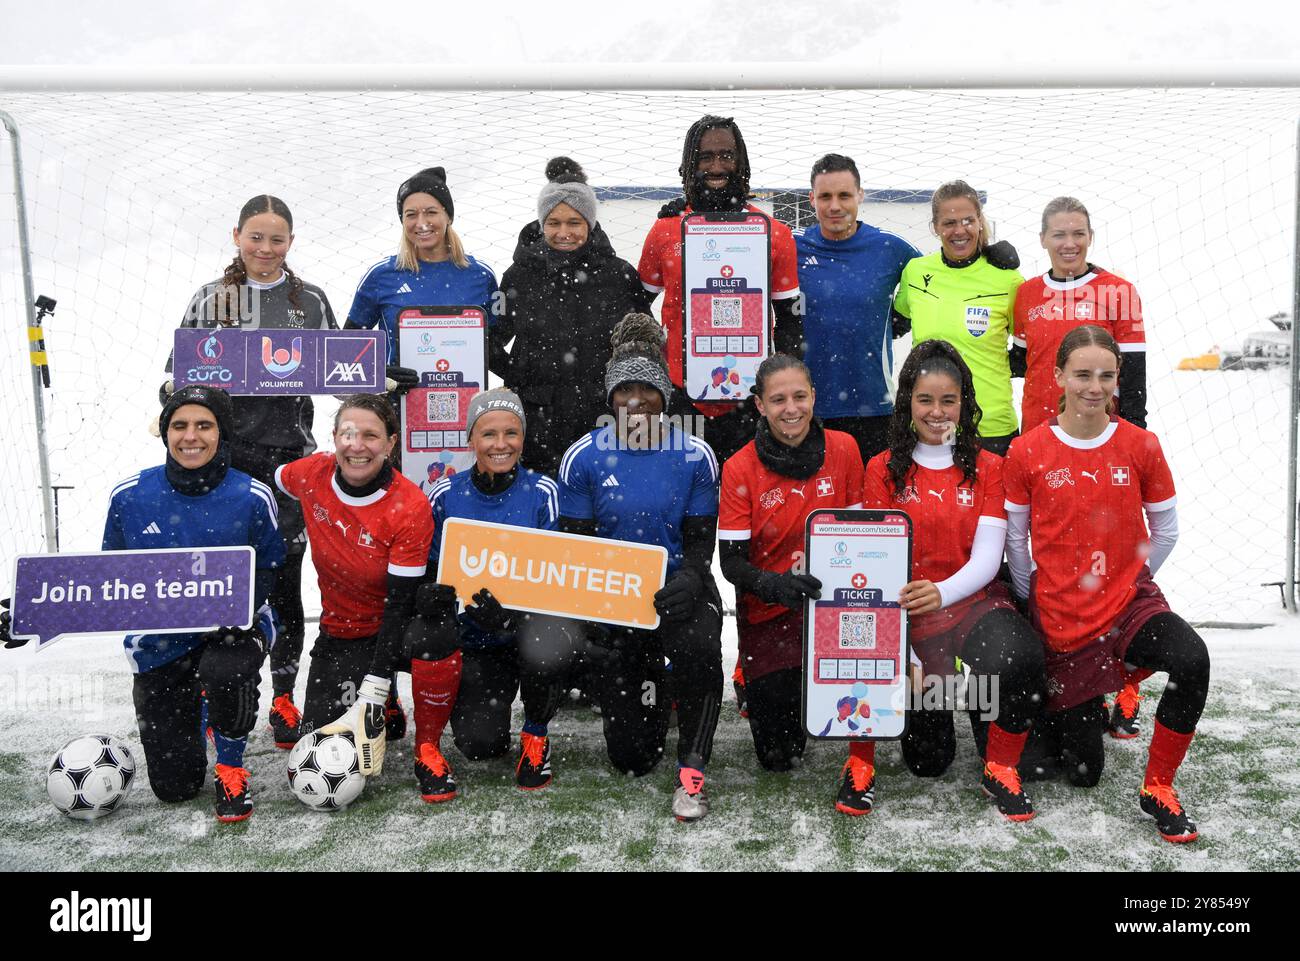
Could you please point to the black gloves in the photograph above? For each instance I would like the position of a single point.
(6, 624)
(435, 600)
(674, 208)
(1002, 255)
(237, 637)
(488, 613)
(677, 599)
(403, 377)
(788, 590)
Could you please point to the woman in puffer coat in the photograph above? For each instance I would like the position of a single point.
(563, 295)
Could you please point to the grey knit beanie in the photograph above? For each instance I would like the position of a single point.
(575, 193)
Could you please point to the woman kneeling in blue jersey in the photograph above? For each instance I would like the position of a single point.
(637, 481)
(197, 500)
(502, 651)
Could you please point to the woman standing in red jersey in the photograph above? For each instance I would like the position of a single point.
(1078, 488)
(957, 613)
(370, 529)
(1072, 293)
(791, 468)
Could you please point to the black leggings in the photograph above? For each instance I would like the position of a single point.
(632, 688)
(775, 703)
(168, 710)
(1002, 647)
(286, 599)
(338, 666)
(1166, 643)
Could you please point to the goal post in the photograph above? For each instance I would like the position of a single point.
(133, 180)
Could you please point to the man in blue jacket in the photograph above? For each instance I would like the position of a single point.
(848, 272)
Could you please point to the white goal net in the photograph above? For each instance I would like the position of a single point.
(132, 197)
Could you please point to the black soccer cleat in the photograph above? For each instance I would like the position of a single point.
(234, 799)
(1002, 784)
(1123, 723)
(437, 784)
(858, 789)
(534, 768)
(285, 722)
(1161, 802)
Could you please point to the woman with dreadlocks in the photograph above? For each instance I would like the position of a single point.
(258, 290)
(957, 612)
(715, 178)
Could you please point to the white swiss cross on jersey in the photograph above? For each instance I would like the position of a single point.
(825, 487)
(1119, 476)
(965, 497)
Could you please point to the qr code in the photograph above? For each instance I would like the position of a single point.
(726, 312)
(444, 406)
(858, 630)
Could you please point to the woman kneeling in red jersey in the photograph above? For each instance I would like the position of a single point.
(1081, 483)
(958, 613)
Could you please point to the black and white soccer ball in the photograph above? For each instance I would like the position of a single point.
(90, 776)
(325, 772)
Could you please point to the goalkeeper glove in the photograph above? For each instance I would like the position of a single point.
(365, 721)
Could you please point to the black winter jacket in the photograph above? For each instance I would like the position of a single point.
(561, 308)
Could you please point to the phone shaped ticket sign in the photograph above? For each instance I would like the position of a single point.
(855, 638)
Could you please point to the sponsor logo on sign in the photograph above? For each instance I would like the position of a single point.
(281, 361)
(343, 361)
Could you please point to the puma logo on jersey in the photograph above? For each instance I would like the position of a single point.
(771, 499)
(1092, 476)
(610, 481)
(343, 527)
(938, 494)
(404, 289)
(798, 490)
(1059, 478)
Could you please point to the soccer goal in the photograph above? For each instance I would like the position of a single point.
(132, 188)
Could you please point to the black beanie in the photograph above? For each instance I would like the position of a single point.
(432, 181)
(213, 398)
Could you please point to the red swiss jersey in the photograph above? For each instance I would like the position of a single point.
(769, 509)
(1046, 310)
(1089, 537)
(945, 510)
(661, 271)
(356, 542)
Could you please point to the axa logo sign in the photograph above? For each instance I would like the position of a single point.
(350, 362)
(77, 915)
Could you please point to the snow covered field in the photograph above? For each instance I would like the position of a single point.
(1240, 781)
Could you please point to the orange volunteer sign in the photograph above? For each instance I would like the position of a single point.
(545, 572)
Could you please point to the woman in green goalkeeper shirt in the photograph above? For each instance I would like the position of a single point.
(965, 294)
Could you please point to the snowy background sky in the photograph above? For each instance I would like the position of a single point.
(958, 33)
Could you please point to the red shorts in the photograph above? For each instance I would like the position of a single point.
(769, 646)
(1097, 667)
(938, 637)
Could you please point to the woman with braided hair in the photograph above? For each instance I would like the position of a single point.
(958, 613)
(258, 290)
(640, 479)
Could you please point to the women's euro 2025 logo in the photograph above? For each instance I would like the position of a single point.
(209, 368)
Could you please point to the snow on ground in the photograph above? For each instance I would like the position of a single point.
(1240, 781)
